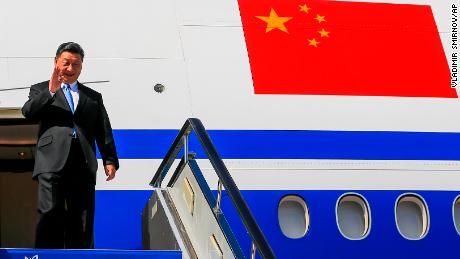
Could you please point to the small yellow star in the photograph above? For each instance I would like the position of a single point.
(304, 8)
(274, 21)
(324, 33)
(313, 42)
(320, 18)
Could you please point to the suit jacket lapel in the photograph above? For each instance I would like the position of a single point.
(82, 97)
(61, 100)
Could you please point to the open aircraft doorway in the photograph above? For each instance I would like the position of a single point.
(18, 192)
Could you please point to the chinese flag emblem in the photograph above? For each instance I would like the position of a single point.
(344, 48)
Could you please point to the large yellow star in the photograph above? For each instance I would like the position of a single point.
(274, 21)
(304, 8)
(324, 33)
(320, 18)
(313, 42)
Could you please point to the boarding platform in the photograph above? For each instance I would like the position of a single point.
(87, 254)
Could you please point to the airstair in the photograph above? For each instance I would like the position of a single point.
(186, 215)
(182, 219)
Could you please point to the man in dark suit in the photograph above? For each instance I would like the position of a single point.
(72, 119)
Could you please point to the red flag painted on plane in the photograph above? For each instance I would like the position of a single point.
(344, 48)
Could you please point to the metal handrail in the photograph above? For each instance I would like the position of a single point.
(225, 178)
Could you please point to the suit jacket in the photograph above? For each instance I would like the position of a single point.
(56, 122)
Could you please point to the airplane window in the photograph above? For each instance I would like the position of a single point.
(353, 216)
(456, 211)
(293, 216)
(412, 218)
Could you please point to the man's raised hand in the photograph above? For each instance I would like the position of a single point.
(55, 81)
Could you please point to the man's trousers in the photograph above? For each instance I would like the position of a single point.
(66, 205)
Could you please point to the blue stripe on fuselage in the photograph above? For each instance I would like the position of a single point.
(298, 144)
(118, 224)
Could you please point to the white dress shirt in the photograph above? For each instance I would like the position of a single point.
(73, 91)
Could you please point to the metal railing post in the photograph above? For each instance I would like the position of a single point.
(185, 141)
(253, 250)
(216, 209)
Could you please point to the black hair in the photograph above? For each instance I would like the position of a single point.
(71, 47)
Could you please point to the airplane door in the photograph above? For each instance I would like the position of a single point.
(18, 192)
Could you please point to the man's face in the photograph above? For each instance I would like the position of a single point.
(69, 66)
